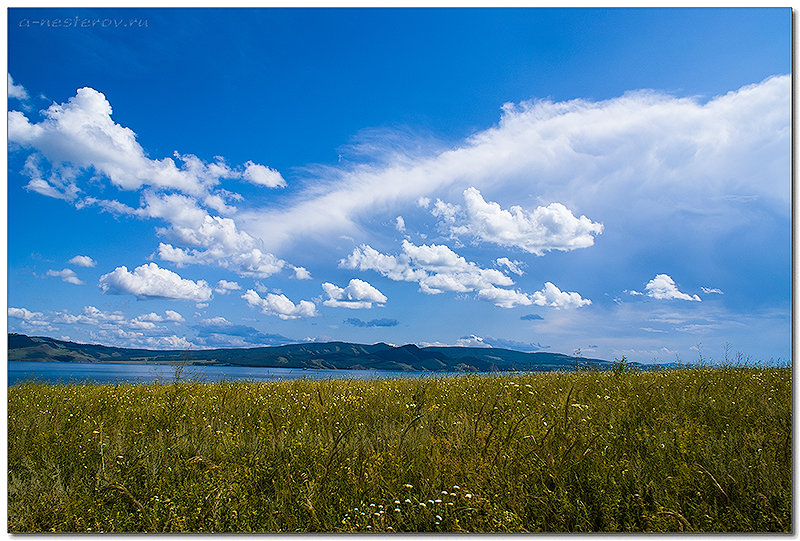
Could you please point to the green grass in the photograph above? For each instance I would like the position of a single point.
(680, 450)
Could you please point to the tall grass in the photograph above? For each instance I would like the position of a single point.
(681, 450)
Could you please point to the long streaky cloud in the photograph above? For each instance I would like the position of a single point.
(648, 149)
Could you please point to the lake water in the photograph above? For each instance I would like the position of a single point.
(61, 372)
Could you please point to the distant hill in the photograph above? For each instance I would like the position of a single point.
(335, 355)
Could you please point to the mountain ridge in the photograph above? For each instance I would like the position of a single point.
(310, 355)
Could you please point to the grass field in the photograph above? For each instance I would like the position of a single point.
(680, 450)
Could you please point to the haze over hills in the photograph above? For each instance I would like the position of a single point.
(331, 355)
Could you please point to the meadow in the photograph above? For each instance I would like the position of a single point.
(689, 449)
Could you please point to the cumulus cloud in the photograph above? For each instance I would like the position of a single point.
(168, 342)
(301, 273)
(382, 322)
(208, 239)
(152, 282)
(280, 305)
(138, 339)
(23, 313)
(82, 261)
(505, 298)
(435, 267)
(356, 295)
(475, 341)
(663, 287)
(15, 90)
(550, 295)
(92, 316)
(263, 176)
(553, 227)
(80, 138)
(513, 266)
(250, 262)
(472, 341)
(152, 317)
(109, 327)
(155, 325)
(66, 275)
(81, 132)
(400, 224)
(224, 287)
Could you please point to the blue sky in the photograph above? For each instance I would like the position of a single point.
(614, 181)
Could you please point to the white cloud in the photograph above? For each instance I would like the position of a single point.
(218, 203)
(114, 207)
(400, 224)
(513, 266)
(151, 281)
(280, 305)
(137, 323)
(15, 90)
(505, 298)
(59, 185)
(249, 261)
(301, 273)
(708, 290)
(113, 326)
(80, 137)
(181, 211)
(263, 176)
(152, 316)
(663, 287)
(23, 313)
(553, 227)
(82, 261)
(217, 321)
(172, 315)
(550, 295)
(137, 339)
(66, 275)
(396, 268)
(168, 342)
(224, 287)
(436, 268)
(211, 239)
(44, 188)
(81, 132)
(472, 341)
(92, 316)
(358, 294)
(658, 153)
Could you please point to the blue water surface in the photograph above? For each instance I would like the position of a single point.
(66, 372)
